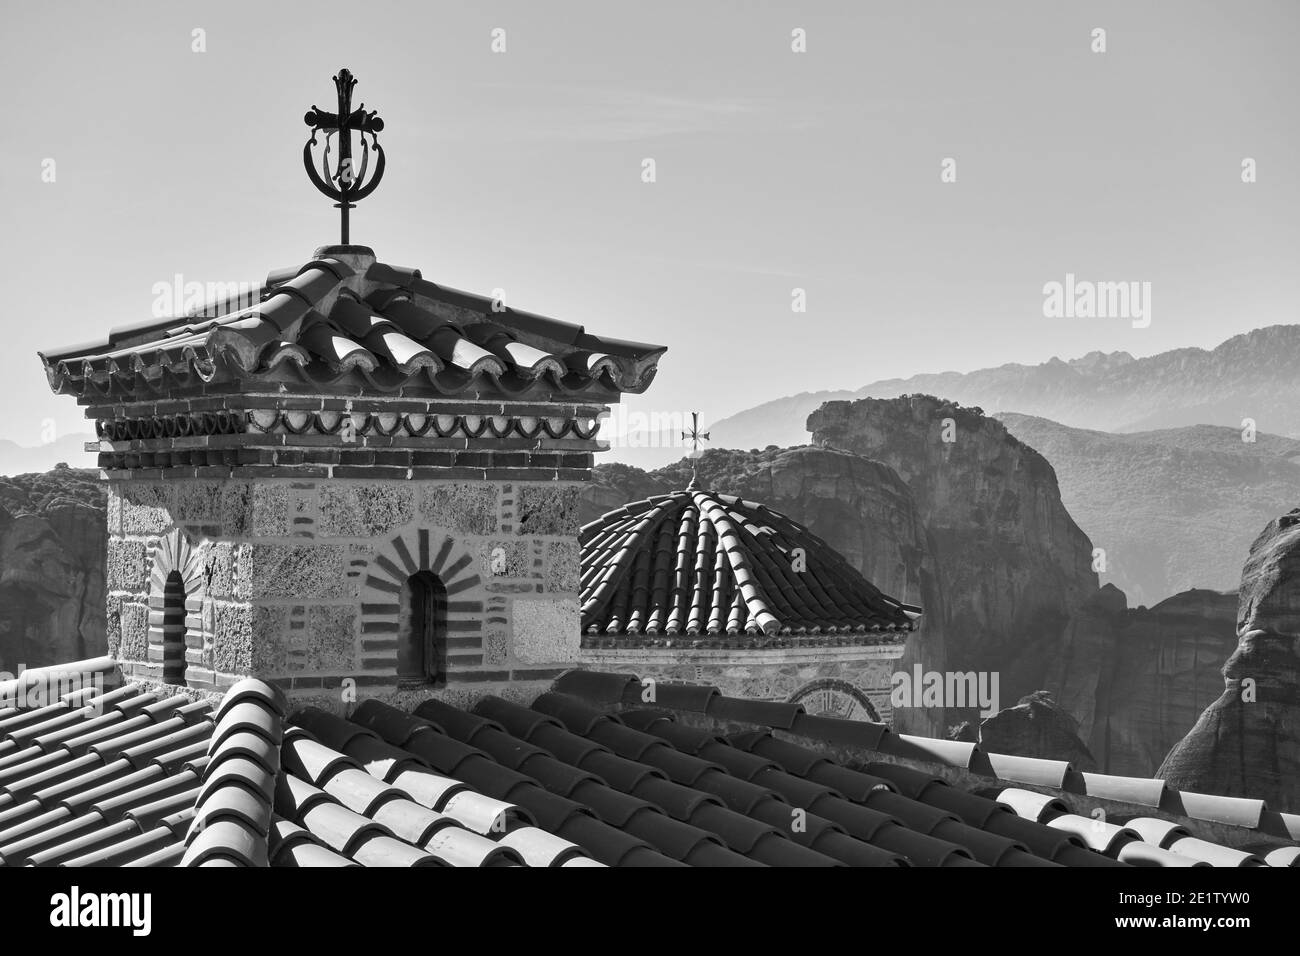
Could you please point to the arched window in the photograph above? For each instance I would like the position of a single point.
(422, 633)
(173, 629)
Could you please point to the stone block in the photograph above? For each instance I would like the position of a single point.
(113, 623)
(250, 639)
(113, 510)
(222, 562)
(331, 637)
(470, 508)
(496, 646)
(126, 566)
(363, 510)
(236, 507)
(563, 566)
(291, 571)
(548, 509)
(198, 502)
(133, 644)
(270, 510)
(546, 631)
(233, 641)
(146, 507)
(505, 559)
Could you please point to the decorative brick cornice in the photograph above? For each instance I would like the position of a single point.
(270, 436)
(276, 421)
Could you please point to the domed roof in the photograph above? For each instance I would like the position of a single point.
(698, 564)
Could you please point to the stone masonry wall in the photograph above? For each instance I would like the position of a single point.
(814, 677)
(297, 580)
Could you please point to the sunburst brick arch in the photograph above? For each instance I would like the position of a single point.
(424, 549)
(831, 697)
(178, 634)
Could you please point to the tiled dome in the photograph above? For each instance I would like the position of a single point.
(696, 564)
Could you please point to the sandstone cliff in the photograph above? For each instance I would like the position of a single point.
(1036, 726)
(1136, 678)
(52, 550)
(999, 566)
(1173, 509)
(1247, 743)
(1013, 565)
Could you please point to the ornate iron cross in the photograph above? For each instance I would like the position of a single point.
(343, 182)
(694, 436)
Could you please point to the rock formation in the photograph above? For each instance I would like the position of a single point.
(1135, 678)
(614, 485)
(1247, 743)
(52, 554)
(1037, 727)
(975, 532)
(1148, 498)
(1013, 565)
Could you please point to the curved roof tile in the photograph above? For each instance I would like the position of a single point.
(703, 566)
(385, 328)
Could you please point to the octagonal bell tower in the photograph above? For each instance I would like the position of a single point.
(359, 483)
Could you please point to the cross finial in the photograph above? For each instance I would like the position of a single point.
(694, 436)
(344, 183)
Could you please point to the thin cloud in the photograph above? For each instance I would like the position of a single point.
(575, 114)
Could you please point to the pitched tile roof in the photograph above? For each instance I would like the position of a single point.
(94, 779)
(708, 568)
(345, 320)
(588, 775)
(1116, 810)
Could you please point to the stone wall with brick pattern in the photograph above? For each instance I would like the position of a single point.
(297, 580)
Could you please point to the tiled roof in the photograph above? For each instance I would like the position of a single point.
(344, 320)
(97, 779)
(698, 779)
(1141, 821)
(705, 568)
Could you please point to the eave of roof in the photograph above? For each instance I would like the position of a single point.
(346, 322)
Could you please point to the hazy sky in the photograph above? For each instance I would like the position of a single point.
(775, 170)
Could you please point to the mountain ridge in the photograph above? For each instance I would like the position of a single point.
(1249, 375)
(1173, 509)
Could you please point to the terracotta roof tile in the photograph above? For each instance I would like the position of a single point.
(539, 848)
(701, 568)
(1283, 856)
(595, 685)
(1138, 853)
(507, 785)
(1143, 790)
(1213, 853)
(1098, 834)
(1238, 811)
(386, 329)
(1033, 805)
(1031, 770)
(834, 730)
(130, 848)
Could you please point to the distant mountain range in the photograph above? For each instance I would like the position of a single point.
(1174, 509)
(1253, 375)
